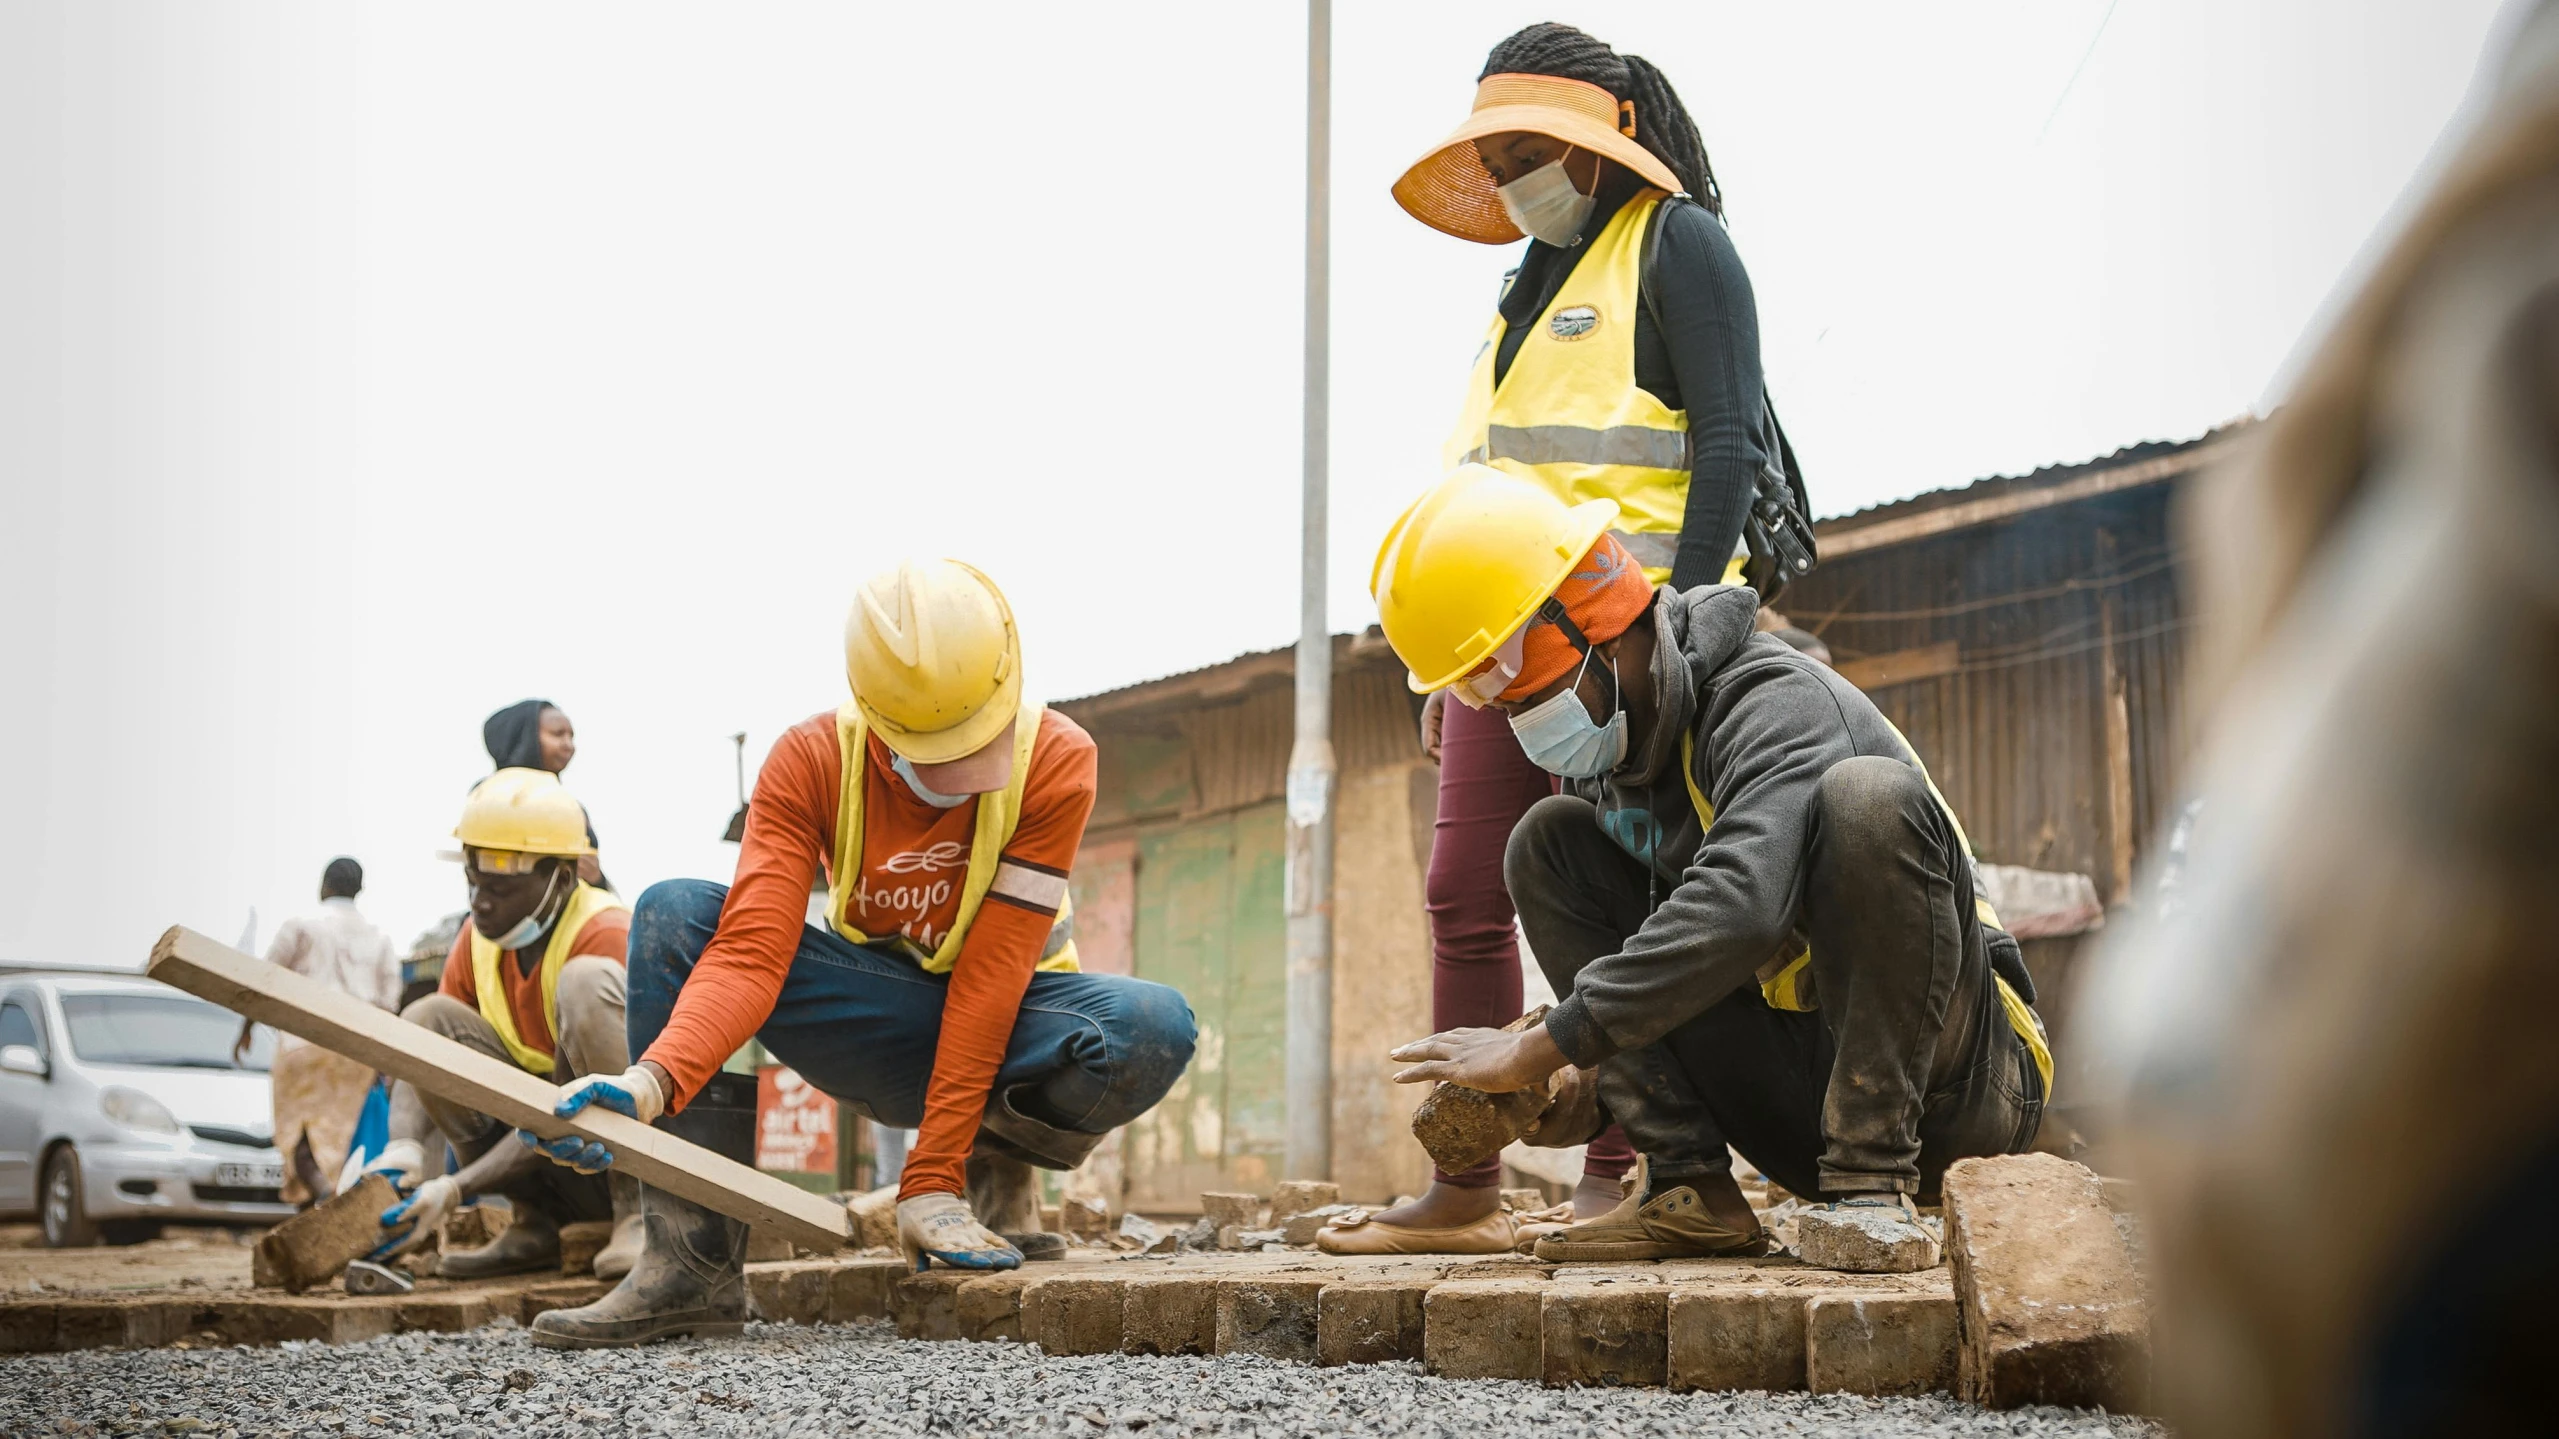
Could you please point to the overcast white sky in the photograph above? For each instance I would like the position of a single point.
(364, 368)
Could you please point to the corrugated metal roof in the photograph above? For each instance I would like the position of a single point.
(2046, 477)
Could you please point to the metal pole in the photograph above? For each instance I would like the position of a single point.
(1310, 758)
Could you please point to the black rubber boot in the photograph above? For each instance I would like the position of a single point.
(530, 1241)
(691, 1275)
(1004, 1194)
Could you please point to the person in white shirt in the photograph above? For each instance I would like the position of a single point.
(319, 1094)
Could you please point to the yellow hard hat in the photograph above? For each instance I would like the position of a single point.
(523, 811)
(1470, 562)
(934, 659)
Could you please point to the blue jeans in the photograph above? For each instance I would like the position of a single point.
(1089, 1052)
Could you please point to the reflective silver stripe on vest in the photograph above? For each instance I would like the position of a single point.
(1580, 445)
(1654, 550)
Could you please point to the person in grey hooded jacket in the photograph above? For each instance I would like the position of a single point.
(1760, 913)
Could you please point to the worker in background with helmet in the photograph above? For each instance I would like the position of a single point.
(1760, 913)
(941, 992)
(535, 978)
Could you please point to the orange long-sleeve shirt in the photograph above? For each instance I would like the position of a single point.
(790, 838)
(607, 934)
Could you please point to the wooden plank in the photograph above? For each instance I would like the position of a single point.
(1902, 666)
(336, 1021)
(1849, 540)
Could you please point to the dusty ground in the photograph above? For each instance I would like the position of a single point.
(184, 1259)
(789, 1379)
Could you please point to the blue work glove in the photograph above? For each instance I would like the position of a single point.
(940, 1226)
(634, 1092)
(422, 1213)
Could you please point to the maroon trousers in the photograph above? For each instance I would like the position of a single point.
(1485, 785)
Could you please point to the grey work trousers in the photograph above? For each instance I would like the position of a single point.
(591, 1040)
(1909, 1063)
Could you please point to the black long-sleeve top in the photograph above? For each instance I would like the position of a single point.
(1702, 356)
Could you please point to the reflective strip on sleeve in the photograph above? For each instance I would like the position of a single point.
(1029, 886)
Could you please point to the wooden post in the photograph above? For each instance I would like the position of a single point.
(2120, 820)
(343, 1024)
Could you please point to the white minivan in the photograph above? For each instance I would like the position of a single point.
(121, 1109)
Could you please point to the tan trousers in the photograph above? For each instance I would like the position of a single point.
(591, 1040)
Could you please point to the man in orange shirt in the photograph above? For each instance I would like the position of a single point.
(942, 991)
(535, 979)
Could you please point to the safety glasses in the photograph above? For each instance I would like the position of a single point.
(1485, 683)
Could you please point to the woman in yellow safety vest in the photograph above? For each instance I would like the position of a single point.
(1623, 362)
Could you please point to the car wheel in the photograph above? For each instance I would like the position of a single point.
(67, 1224)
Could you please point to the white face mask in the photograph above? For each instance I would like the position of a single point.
(1544, 203)
(930, 796)
(529, 928)
(1559, 736)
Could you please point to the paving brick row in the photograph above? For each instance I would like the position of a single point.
(1879, 1343)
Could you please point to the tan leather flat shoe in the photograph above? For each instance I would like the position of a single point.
(1357, 1233)
(1675, 1224)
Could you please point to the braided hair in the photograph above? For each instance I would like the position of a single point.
(1661, 122)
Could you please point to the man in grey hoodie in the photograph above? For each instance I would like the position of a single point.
(1760, 912)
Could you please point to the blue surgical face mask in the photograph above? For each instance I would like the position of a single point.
(1561, 738)
(924, 792)
(529, 928)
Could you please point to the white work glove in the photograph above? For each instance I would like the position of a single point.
(634, 1092)
(423, 1211)
(398, 1160)
(940, 1226)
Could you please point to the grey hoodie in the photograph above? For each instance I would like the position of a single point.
(1768, 722)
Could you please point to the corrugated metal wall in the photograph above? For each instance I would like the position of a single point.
(2049, 613)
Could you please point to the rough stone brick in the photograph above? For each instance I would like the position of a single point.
(1370, 1321)
(328, 1320)
(859, 1289)
(1733, 1336)
(792, 1293)
(581, 1242)
(1482, 1328)
(120, 1323)
(1864, 1241)
(1080, 1217)
(1241, 1210)
(2049, 1308)
(449, 1311)
(990, 1305)
(27, 1328)
(474, 1225)
(310, 1248)
(1296, 1196)
(1170, 1314)
(1879, 1343)
(541, 1299)
(874, 1218)
(1273, 1315)
(926, 1305)
(1604, 1334)
(1075, 1314)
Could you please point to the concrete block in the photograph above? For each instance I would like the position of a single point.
(1241, 1210)
(1482, 1328)
(1370, 1321)
(859, 1289)
(1075, 1314)
(790, 1293)
(329, 1320)
(926, 1305)
(1273, 1315)
(310, 1248)
(1729, 1336)
(120, 1323)
(449, 1311)
(581, 1242)
(2049, 1308)
(541, 1299)
(1296, 1196)
(989, 1306)
(1879, 1343)
(1604, 1334)
(27, 1328)
(1170, 1314)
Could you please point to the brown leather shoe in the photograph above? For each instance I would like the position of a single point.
(1673, 1224)
(1356, 1233)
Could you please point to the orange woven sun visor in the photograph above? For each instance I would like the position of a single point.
(1448, 190)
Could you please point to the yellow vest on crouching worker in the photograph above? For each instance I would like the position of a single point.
(998, 815)
(585, 903)
(1783, 989)
(1568, 413)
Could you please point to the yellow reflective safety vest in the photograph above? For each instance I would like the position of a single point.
(1568, 414)
(998, 815)
(1784, 988)
(585, 903)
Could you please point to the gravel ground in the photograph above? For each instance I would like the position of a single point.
(790, 1379)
